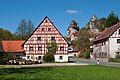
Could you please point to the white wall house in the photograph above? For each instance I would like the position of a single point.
(35, 45)
(107, 44)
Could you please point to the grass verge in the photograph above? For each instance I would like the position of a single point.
(61, 73)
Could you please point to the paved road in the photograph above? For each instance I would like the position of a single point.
(43, 65)
(94, 62)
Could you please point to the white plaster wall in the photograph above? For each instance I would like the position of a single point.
(100, 48)
(65, 58)
(113, 46)
(35, 57)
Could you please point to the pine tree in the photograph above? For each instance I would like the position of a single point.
(111, 20)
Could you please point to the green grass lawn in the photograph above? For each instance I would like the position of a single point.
(61, 73)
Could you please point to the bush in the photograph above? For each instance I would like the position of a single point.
(117, 56)
(48, 57)
(114, 59)
(3, 61)
(86, 55)
(81, 54)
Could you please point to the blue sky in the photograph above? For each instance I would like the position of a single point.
(61, 12)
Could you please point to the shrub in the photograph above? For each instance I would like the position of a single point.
(48, 57)
(117, 56)
(86, 55)
(81, 55)
(3, 61)
(114, 59)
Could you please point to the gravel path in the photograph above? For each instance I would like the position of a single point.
(43, 65)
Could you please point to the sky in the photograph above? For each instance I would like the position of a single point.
(60, 12)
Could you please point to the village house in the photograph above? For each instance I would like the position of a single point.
(34, 48)
(107, 44)
(35, 45)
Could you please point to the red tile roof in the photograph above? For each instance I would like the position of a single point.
(11, 46)
(107, 32)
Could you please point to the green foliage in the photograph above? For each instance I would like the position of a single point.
(48, 57)
(52, 48)
(114, 60)
(117, 56)
(86, 55)
(111, 19)
(5, 34)
(102, 24)
(83, 39)
(81, 54)
(83, 42)
(4, 57)
(61, 73)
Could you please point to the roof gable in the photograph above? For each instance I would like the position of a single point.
(46, 22)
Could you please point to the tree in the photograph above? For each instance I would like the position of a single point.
(52, 48)
(83, 41)
(5, 34)
(30, 27)
(24, 29)
(102, 24)
(111, 19)
(4, 57)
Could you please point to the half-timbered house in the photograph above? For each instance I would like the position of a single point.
(35, 46)
(107, 44)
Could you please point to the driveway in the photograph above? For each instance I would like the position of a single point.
(94, 62)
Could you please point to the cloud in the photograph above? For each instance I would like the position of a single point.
(71, 11)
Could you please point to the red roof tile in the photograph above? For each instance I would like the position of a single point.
(11, 46)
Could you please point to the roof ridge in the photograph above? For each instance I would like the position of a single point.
(107, 32)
